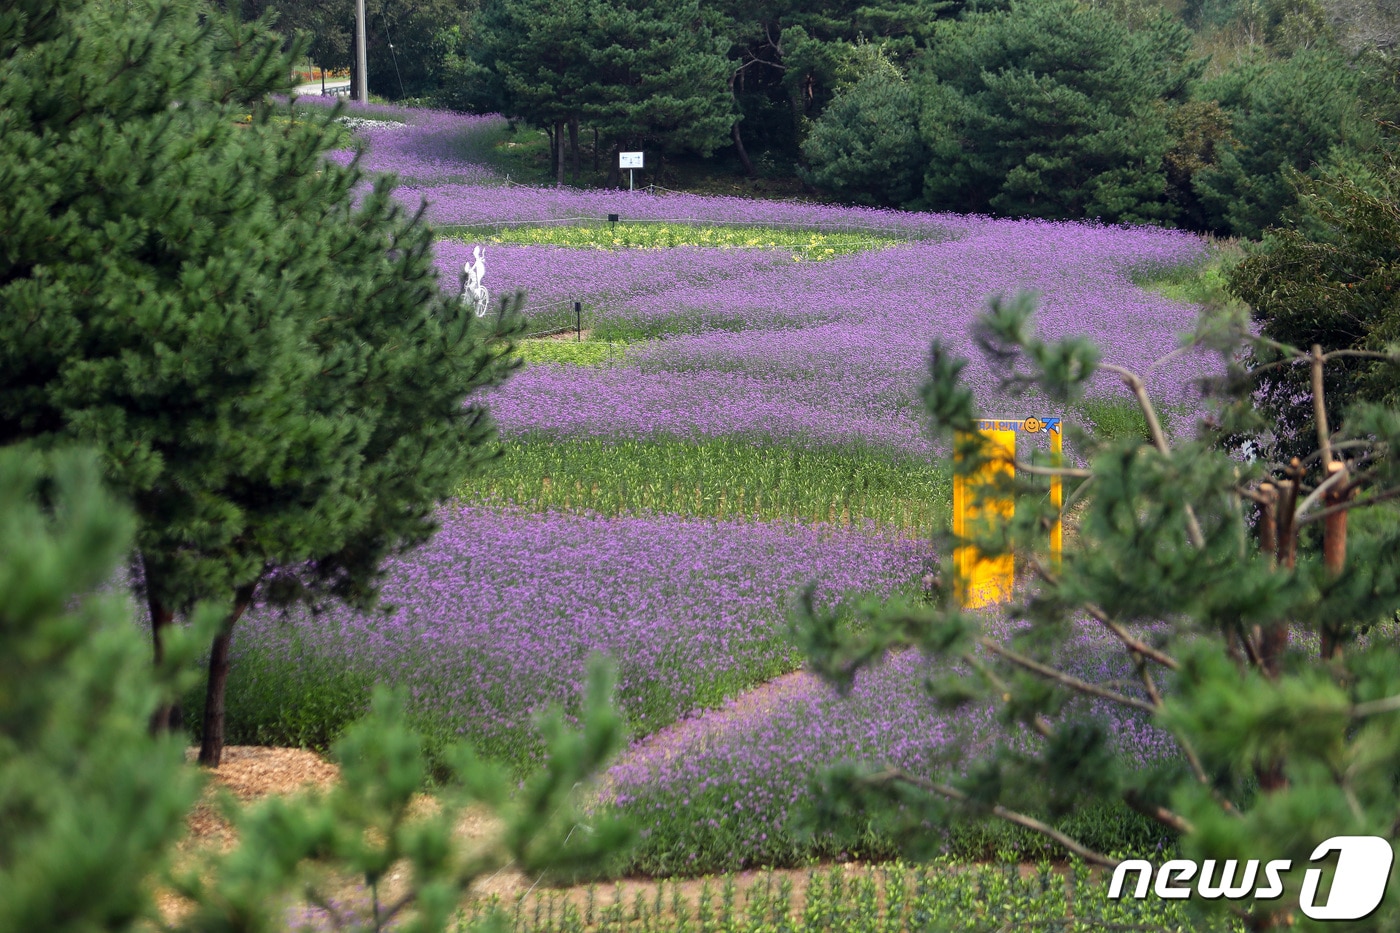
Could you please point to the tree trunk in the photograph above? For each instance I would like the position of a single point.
(161, 618)
(744, 160)
(1334, 552)
(734, 130)
(595, 149)
(615, 173)
(1274, 641)
(573, 144)
(559, 153)
(211, 748)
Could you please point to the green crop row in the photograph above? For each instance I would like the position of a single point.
(805, 244)
(570, 352)
(720, 478)
(942, 896)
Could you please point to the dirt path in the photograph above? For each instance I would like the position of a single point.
(251, 773)
(700, 731)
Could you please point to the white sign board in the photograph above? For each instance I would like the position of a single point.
(629, 160)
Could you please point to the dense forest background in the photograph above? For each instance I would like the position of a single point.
(1204, 114)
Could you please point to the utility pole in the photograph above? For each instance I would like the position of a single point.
(361, 69)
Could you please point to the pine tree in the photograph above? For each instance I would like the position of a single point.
(1289, 115)
(1269, 670)
(1051, 110)
(92, 805)
(1332, 278)
(866, 145)
(642, 75)
(658, 77)
(260, 352)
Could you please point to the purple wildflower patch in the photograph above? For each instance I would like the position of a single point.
(494, 620)
(835, 351)
(741, 773)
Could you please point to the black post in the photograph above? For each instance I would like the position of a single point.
(578, 319)
(612, 219)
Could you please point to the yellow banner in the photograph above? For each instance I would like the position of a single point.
(983, 581)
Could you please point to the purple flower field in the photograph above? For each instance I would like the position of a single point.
(458, 204)
(764, 341)
(608, 280)
(741, 785)
(835, 351)
(494, 620)
(432, 148)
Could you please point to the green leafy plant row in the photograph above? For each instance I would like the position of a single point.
(703, 834)
(804, 244)
(570, 352)
(721, 479)
(939, 896)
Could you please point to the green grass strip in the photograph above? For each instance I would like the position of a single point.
(803, 244)
(1202, 283)
(720, 479)
(568, 352)
(943, 895)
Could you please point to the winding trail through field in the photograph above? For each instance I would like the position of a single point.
(251, 773)
(699, 731)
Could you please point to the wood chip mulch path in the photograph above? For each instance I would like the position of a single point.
(250, 773)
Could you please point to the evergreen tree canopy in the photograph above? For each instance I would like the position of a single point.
(90, 802)
(657, 76)
(533, 56)
(92, 805)
(866, 146)
(329, 27)
(642, 75)
(1051, 110)
(1286, 115)
(409, 47)
(261, 355)
(787, 57)
(1332, 279)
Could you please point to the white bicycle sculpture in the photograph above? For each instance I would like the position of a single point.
(473, 291)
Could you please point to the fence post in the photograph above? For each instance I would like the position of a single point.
(1334, 549)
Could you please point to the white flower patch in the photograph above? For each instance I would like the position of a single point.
(360, 123)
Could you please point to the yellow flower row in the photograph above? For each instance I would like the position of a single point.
(811, 245)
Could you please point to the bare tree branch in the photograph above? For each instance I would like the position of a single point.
(1060, 677)
(1338, 446)
(1360, 354)
(1336, 479)
(1040, 723)
(1379, 497)
(1071, 472)
(1375, 707)
(1159, 438)
(893, 775)
(1324, 436)
(1133, 644)
(1148, 684)
(1161, 814)
(1074, 496)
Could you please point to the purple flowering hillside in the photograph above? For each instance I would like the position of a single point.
(797, 351)
(763, 350)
